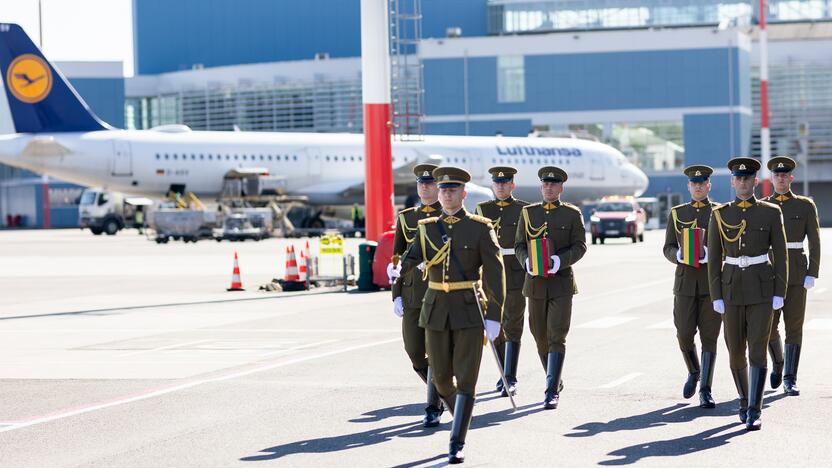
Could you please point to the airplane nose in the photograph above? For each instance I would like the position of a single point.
(640, 180)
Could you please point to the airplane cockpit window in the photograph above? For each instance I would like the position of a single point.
(157, 156)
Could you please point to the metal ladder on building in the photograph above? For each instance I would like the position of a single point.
(406, 76)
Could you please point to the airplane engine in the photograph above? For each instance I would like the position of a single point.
(476, 194)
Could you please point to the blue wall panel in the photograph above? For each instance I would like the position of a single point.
(105, 96)
(585, 82)
(519, 127)
(170, 36)
(713, 139)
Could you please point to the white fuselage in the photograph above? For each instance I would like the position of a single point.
(322, 166)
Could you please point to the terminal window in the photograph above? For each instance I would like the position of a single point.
(511, 79)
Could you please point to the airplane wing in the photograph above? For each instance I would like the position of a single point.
(45, 146)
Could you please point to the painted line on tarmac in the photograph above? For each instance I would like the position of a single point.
(662, 325)
(607, 322)
(298, 348)
(162, 348)
(622, 380)
(164, 391)
(224, 330)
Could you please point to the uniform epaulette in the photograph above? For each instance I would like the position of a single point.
(678, 206)
(768, 204)
(806, 199)
(407, 210)
(480, 219)
(720, 206)
(569, 205)
(715, 205)
(429, 220)
(485, 202)
(532, 205)
(522, 202)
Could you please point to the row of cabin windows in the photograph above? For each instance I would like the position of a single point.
(528, 161)
(227, 157)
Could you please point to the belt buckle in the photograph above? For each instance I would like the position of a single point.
(446, 287)
(744, 261)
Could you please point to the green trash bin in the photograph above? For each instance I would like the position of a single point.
(366, 253)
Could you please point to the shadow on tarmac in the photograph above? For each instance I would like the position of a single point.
(678, 413)
(383, 434)
(675, 447)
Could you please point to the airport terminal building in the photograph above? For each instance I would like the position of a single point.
(668, 82)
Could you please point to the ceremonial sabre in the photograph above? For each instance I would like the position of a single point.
(493, 348)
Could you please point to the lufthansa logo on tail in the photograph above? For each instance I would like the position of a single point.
(29, 78)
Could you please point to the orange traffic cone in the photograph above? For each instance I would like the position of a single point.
(292, 273)
(302, 267)
(236, 282)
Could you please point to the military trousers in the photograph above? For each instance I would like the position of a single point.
(692, 313)
(747, 326)
(455, 354)
(514, 311)
(549, 321)
(794, 312)
(414, 338)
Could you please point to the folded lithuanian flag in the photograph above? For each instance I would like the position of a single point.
(692, 246)
(539, 252)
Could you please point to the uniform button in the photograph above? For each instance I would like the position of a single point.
(450, 226)
(501, 209)
(547, 212)
(742, 269)
(743, 209)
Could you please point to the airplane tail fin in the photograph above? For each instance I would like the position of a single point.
(37, 97)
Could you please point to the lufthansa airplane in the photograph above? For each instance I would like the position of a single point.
(47, 128)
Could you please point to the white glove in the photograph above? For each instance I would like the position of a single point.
(705, 258)
(528, 267)
(555, 265)
(777, 303)
(421, 266)
(393, 272)
(679, 256)
(809, 282)
(492, 329)
(719, 306)
(398, 307)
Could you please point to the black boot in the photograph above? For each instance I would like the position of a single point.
(692, 362)
(775, 350)
(792, 361)
(434, 409)
(755, 403)
(554, 368)
(510, 368)
(501, 354)
(426, 375)
(706, 377)
(741, 381)
(462, 419)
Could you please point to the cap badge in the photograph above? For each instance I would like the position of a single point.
(551, 174)
(698, 173)
(780, 165)
(503, 175)
(425, 174)
(447, 177)
(742, 167)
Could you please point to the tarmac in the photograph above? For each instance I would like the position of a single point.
(116, 351)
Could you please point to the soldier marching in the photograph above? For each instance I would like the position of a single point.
(800, 218)
(504, 213)
(692, 307)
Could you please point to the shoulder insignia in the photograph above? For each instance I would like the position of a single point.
(521, 202)
(533, 205)
(719, 206)
(678, 206)
(805, 199)
(480, 219)
(429, 220)
(569, 205)
(768, 205)
(407, 210)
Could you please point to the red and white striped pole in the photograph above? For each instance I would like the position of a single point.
(765, 135)
(375, 82)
